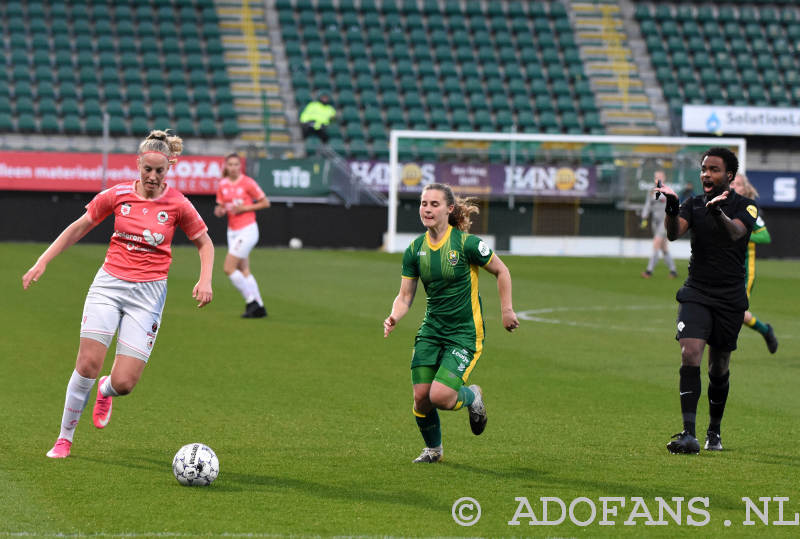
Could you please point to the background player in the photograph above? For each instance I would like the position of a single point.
(653, 214)
(713, 299)
(129, 291)
(450, 341)
(239, 197)
(760, 234)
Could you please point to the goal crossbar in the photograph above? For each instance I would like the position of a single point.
(396, 134)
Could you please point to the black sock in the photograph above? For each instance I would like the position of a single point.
(690, 388)
(718, 387)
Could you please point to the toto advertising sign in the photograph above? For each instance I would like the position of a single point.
(52, 171)
(483, 179)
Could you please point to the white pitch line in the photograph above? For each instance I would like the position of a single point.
(531, 316)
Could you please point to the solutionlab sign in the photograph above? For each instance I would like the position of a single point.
(83, 172)
(721, 120)
(492, 179)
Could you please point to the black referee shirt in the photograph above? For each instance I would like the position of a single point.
(717, 262)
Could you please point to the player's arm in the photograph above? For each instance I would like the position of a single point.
(496, 267)
(735, 228)
(760, 235)
(202, 290)
(675, 224)
(259, 204)
(74, 232)
(401, 305)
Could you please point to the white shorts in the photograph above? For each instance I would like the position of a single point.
(242, 241)
(132, 310)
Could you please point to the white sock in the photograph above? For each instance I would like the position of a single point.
(78, 390)
(240, 282)
(253, 290)
(670, 262)
(107, 389)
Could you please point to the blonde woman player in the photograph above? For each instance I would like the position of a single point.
(449, 342)
(239, 197)
(128, 293)
(760, 234)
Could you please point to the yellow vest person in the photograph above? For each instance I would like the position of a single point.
(316, 116)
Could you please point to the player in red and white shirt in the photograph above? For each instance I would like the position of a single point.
(128, 293)
(239, 197)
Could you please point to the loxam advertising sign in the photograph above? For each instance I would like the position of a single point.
(83, 172)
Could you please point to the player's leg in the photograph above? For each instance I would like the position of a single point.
(99, 322)
(237, 267)
(765, 330)
(668, 257)
(651, 264)
(722, 342)
(139, 328)
(718, 387)
(450, 391)
(694, 327)
(256, 307)
(424, 363)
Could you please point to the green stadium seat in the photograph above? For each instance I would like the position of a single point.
(136, 109)
(140, 126)
(72, 124)
(94, 125)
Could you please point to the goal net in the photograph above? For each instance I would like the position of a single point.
(548, 194)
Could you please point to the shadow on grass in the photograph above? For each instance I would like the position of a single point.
(250, 482)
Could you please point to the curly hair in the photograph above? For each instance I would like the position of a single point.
(727, 156)
(463, 208)
(162, 142)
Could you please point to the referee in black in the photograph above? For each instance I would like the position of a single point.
(713, 298)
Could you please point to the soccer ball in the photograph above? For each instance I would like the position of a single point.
(195, 465)
(295, 243)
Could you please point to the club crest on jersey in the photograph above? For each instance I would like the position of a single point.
(752, 210)
(125, 209)
(452, 257)
(162, 217)
(153, 238)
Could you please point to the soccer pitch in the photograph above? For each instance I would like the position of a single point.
(309, 410)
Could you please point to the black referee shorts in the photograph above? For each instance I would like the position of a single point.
(702, 317)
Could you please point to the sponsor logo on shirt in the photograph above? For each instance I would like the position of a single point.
(483, 249)
(421, 253)
(681, 325)
(153, 238)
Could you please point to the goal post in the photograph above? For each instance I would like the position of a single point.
(614, 166)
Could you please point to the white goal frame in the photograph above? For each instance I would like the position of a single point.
(396, 134)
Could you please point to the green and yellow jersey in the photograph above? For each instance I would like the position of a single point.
(449, 272)
(760, 234)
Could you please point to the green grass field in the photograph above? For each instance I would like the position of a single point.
(309, 410)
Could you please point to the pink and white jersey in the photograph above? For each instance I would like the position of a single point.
(244, 190)
(140, 250)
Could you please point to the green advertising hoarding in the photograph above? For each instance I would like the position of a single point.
(294, 177)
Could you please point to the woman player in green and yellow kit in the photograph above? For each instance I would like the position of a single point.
(760, 234)
(450, 340)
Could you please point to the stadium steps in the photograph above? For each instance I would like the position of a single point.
(651, 88)
(254, 77)
(601, 35)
